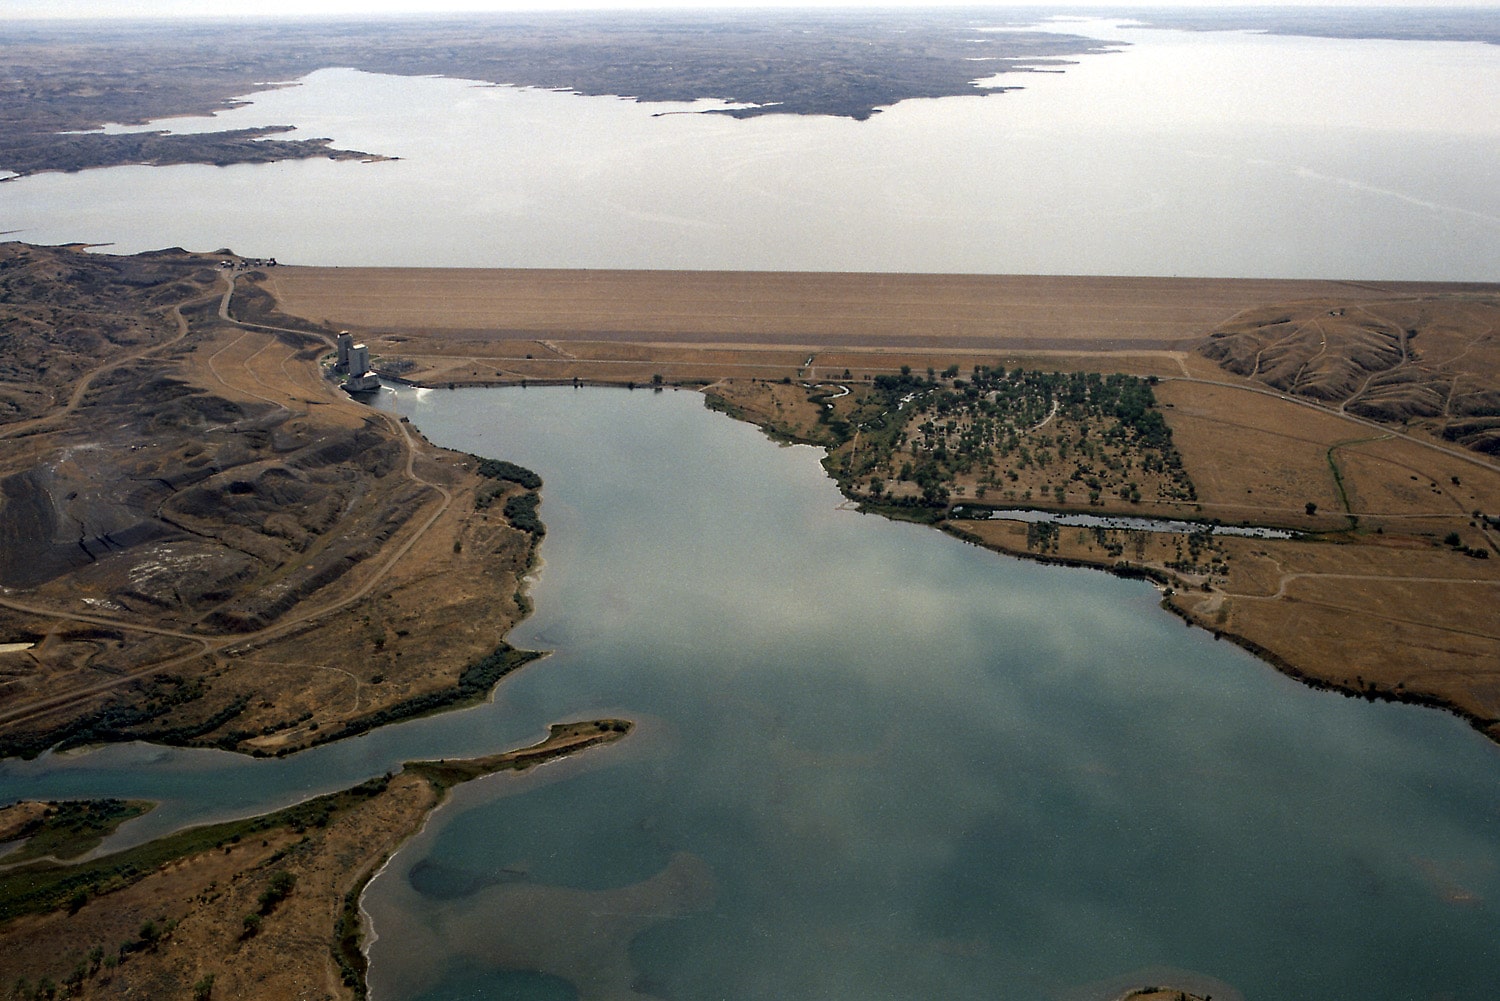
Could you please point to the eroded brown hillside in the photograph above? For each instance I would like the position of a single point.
(207, 541)
(1427, 361)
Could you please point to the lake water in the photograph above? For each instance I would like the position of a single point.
(874, 762)
(871, 762)
(1220, 154)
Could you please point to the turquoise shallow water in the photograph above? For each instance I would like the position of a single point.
(874, 762)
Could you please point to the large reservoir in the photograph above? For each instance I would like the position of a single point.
(874, 762)
(1218, 154)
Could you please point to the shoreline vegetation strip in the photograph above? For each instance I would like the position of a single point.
(45, 885)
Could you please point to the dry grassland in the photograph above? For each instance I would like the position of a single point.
(1276, 464)
(1337, 408)
(1255, 457)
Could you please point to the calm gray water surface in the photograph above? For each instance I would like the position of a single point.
(875, 762)
(1189, 153)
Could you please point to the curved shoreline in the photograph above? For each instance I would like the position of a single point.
(192, 887)
(1391, 609)
(355, 932)
(1489, 728)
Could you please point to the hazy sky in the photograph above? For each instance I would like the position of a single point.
(221, 8)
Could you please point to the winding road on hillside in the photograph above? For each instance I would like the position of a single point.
(207, 644)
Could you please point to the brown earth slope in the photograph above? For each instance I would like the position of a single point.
(206, 541)
(1423, 361)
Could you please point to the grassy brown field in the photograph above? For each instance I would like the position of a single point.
(1359, 413)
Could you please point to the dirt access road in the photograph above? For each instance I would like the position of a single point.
(237, 380)
(204, 539)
